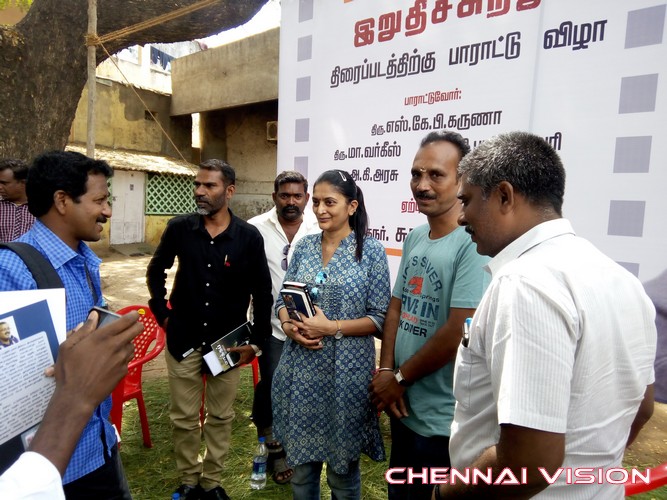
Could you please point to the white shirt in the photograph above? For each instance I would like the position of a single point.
(563, 341)
(31, 477)
(274, 243)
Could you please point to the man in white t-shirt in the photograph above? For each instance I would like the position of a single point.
(557, 372)
(281, 227)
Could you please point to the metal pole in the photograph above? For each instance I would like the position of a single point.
(92, 66)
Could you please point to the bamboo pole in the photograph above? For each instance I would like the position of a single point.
(92, 67)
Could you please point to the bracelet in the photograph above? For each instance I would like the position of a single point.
(384, 370)
(283, 323)
(338, 328)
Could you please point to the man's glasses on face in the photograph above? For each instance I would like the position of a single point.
(283, 263)
(320, 279)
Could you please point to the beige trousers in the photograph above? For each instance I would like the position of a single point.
(186, 388)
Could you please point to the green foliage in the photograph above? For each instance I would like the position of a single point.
(21, 4)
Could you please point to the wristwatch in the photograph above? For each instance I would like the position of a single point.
(258, 351)
(339, 332)
(401, 379)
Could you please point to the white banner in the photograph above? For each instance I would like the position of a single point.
(363, 81)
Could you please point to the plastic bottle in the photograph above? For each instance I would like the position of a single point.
(176, 496)
(258, 477)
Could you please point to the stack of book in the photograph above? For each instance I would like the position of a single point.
(297, 300)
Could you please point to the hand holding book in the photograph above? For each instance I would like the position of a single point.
(225, 352)
(297, 300)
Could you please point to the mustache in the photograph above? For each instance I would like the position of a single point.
(469, 230)
(423, 195)
(291, 208)
(102, 220)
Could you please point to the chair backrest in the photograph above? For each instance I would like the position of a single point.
(130, 385)
(152, 334)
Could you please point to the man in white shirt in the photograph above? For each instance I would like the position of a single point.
(82, 383)
(556, 374)
(281, 227)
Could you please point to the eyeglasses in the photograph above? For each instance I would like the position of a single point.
(320, 279)
(283, 263)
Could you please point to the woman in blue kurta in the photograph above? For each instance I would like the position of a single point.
(321, 409)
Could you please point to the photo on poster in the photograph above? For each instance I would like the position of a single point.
(8, 332)
(28, 321)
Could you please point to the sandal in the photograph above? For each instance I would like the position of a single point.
(282, 473)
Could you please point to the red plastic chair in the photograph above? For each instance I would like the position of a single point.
(658, 479)
(130, 387)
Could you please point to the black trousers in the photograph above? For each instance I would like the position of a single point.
(409, 449)
(107, 482)
(261, 406)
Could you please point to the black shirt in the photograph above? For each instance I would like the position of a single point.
(215, 281)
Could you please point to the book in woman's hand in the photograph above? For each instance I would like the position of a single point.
(297, 300)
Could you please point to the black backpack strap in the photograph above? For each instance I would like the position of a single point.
(42, 270)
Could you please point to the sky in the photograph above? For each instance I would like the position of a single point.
(267, 18)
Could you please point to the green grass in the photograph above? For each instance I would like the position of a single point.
(152, 472)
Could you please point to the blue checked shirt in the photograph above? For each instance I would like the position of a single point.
(14, 275)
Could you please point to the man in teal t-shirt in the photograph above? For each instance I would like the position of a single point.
(441, 281)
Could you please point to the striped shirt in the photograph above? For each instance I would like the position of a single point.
(98, 437)
(15, 220)
(562, 342)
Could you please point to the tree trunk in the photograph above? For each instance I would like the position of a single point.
(43, 60)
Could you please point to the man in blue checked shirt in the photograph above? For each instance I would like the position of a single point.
(68, 194)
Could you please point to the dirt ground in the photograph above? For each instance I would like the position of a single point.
(123, 282)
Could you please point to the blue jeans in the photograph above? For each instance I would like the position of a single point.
(306, 482)
(409, 449)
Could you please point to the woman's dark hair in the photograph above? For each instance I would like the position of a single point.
(345, 185)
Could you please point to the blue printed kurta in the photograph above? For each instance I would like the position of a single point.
(321, 407)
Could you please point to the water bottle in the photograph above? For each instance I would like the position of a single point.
(176, 496)
(258, 477)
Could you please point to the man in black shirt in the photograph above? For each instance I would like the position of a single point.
(221, 268)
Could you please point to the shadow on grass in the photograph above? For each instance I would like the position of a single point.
(152, 472)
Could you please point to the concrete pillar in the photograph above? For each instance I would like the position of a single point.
(212, 125)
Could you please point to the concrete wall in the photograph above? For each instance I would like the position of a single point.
(121, 121)
(135, 65)
(238, 136)
(235, 74)
(154, 227)
(235, 89)
(101, 246)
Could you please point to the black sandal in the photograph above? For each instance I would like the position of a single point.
(277, 464)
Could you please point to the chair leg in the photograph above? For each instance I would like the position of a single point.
(145, 430)
(116, 415)
(255, 373)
